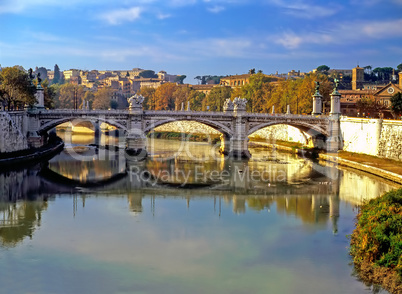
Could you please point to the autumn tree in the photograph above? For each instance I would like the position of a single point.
(102, 98)
(148, 94)
(253, 92)
(180, 96)
(89, 98)
(16, 88)
(164, 99)
(69, 92)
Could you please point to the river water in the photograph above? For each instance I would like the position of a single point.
(185, 220)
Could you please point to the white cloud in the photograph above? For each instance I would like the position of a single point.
(303, 10)
(163, 16)
(341, 33)
(216, 9)
(119, 16)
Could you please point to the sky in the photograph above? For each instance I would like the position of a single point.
(200, 37)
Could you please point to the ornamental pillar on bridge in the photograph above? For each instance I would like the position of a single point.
(239, 140)
(317, 100)
(136, 141)
(334, 142)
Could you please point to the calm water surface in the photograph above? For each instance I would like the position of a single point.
(91, 221)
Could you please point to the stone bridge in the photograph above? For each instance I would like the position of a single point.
(234, 123)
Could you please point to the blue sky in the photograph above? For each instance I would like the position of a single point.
(200, 37)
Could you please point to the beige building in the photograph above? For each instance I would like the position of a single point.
(71, 73)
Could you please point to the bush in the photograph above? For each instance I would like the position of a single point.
(377, 240)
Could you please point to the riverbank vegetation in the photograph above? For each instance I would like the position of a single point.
(376, 243)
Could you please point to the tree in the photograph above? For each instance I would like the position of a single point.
(196, 99)
(114, 104)
(396, 104)
(323, 69)
(147, 74)
(181, 96)
(148, 94)
(163, 96)
(56, 77)
(89, 98)
(251, 71)
(68, 93)
(43, 73)
(102, 98)
(16, 88)
(399, 67)
(217, 96)
(180, 79)
(253, 92)
(50, 94)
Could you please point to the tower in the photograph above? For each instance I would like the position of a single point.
(357, 78)
(400, 79)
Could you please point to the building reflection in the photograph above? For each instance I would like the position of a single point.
(19, 221)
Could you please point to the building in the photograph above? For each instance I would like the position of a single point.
(236, 80)
(71, 73)
(204, 88)
(379, 95)
(357, 78)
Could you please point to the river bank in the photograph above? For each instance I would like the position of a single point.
(28, 156)
(376, 242)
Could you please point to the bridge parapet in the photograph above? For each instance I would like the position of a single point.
(235, 126)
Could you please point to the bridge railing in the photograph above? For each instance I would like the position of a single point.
(181, 113)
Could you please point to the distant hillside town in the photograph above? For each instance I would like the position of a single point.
(365, 92)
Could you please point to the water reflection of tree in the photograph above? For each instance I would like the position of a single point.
(19, 220)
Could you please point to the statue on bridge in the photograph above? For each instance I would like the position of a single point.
(240, 104)
(228, 105)
(135, 102)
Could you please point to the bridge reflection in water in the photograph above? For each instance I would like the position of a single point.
(292, 186)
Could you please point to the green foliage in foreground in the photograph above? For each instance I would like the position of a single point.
(377, 239)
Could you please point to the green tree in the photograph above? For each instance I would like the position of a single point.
(180, 79)
(102, 98)
(196, 99)
(50, 94)
(16, 88)
(396, 104)
(57, 75)
(323, 69)
(147, 74)
(399, 67)
(216, 98)
(114, 104)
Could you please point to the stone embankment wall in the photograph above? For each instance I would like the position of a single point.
(271, 134)
(376, 137)
(11, 136)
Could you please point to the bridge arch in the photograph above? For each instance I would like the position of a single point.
(220, 127)
(314, 131)
(54, 123)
